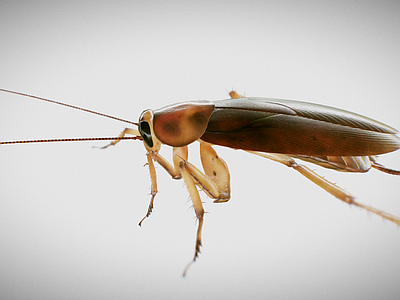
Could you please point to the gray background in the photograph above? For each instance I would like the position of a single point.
(69, 213)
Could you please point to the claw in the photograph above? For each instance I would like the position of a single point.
(149, 211)
(197, 248)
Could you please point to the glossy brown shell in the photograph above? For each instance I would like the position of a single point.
(294, 127)
(180, 124)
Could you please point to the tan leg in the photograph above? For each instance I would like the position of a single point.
(330, 187)
(183, 169)
(214, 181)
(154, 191)
(122, 134)
(197, 205)
(178, 155)
(174, 171)
(152, 170)
(217, 172)
(234, 95)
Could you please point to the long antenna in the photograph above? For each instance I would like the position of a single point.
(68, 105)
(74, 140)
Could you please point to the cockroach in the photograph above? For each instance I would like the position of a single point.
(280, 130)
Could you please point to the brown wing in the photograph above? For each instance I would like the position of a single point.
(293, 127)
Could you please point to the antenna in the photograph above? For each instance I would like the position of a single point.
(74, 140)
(71, 106)
(71, 139)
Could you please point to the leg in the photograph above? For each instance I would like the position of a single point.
(154, 191)
(214, 181)
(217, 172)
(378, 166)
(197, 205)
(234, 95)
(174, 171)
(122, 134)
(331, 188)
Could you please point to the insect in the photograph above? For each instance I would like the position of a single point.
(280, 130)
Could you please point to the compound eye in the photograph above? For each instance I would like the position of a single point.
(145, 132)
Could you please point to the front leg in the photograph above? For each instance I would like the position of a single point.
(121, 135)
(154, 191)
(181, 168)
(197, 205)
(215, 181)
(174, 170)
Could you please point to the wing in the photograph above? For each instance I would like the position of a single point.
(294, 127)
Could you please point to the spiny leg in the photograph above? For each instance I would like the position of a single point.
(179, 154)
(197, 205)
(383, 169)
(234, 95)
(183, 169)
(331, 188)
(122, 134)
(179, 169)
(154, 191)
(153, 176)
(217, 173)
(215, 180)
(172, 170)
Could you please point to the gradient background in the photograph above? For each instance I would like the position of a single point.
(69, 213)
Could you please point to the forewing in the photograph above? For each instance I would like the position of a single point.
(294, 127)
